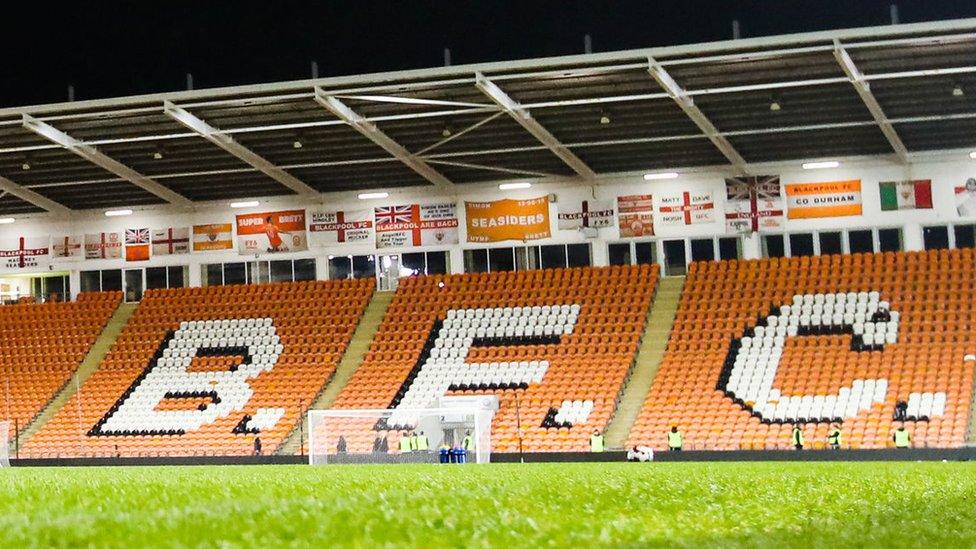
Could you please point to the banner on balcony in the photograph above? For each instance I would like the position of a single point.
(828, 199)
(685, 208)
(508, 219)
(635, 215)
(753, 204)
(25, 252)
(271, 232)
(351, 226)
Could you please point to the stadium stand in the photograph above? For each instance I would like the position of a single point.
(760, 344)
(562, 340)
(41, 345)
(201, 371)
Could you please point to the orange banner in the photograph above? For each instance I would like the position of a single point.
(508, 219)
(828, 199)
(271, 232)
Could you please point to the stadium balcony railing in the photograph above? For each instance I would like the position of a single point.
(898, 328)
(41, 345)
(555, 345)
(306, 327)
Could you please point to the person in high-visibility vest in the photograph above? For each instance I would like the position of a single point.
(467, 444)
(675, 440)
(834, 437)
(797, 437)
(596, 441)
(413, 441)
(404, 443)
(902, 438)
(423, 443)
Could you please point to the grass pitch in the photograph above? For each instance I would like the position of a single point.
(504, 505)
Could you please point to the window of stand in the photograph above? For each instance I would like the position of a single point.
(351, 266)
(258, 272)
(523, 258)
(174, 276)
(945, 237)
(677, 252)
(832, 241)
(108, 280)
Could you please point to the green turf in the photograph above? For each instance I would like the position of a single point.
(513, 506)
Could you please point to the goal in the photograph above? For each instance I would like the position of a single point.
(374, 435)
(5, 447)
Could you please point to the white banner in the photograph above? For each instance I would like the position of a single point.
(351, 226)
(68, 247)
(416, 225)
(25, 252)
(596, 214)
(685, 208)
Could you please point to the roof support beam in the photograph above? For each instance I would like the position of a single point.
(230, 145)
(864, 90)
(524, 118)
(27, 195)
(99, 159)
(687, 104)
(374, 134)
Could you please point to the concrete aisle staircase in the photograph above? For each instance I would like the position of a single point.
(353, 357)
(971, 431)
(87, 367)
(653, 344)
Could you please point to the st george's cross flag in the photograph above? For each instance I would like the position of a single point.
(753, 204)
(171, 241)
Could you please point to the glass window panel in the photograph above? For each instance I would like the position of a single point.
(729, 248)
(235, 273)
(56, 288)
(340, 267)
(305, 269)
(801, 244)
(476, 261)
(155, 278)
(936, 238)
(363, 266)
(889, 240)
(553, 257)
(437, 263)
(702, 249)
(645, 253)
(177, 276)
(830, 243)
(578, 255)
(965, 236)
(91, 281)
(213, 274)
(281, 271)
(773, 245)
(133, 285)
(412, 264)
(112, 280)
(501, 259)
(527, 258)
(619, 254)
(674, 257)
(860, 241)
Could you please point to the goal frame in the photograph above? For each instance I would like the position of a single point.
(480, 427)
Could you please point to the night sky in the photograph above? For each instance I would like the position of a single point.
(108, 49)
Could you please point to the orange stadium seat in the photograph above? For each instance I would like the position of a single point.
(565, 343)
(41, 345)
(284, 339)
(913, 352)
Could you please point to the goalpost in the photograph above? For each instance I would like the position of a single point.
(375, 435)
(5, 447)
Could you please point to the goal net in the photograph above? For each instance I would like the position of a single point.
(5, 447)
(425, 435)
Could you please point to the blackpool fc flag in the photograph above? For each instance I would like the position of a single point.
(416, 225)
(587, 213)
(103, 246)
(25, 252)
